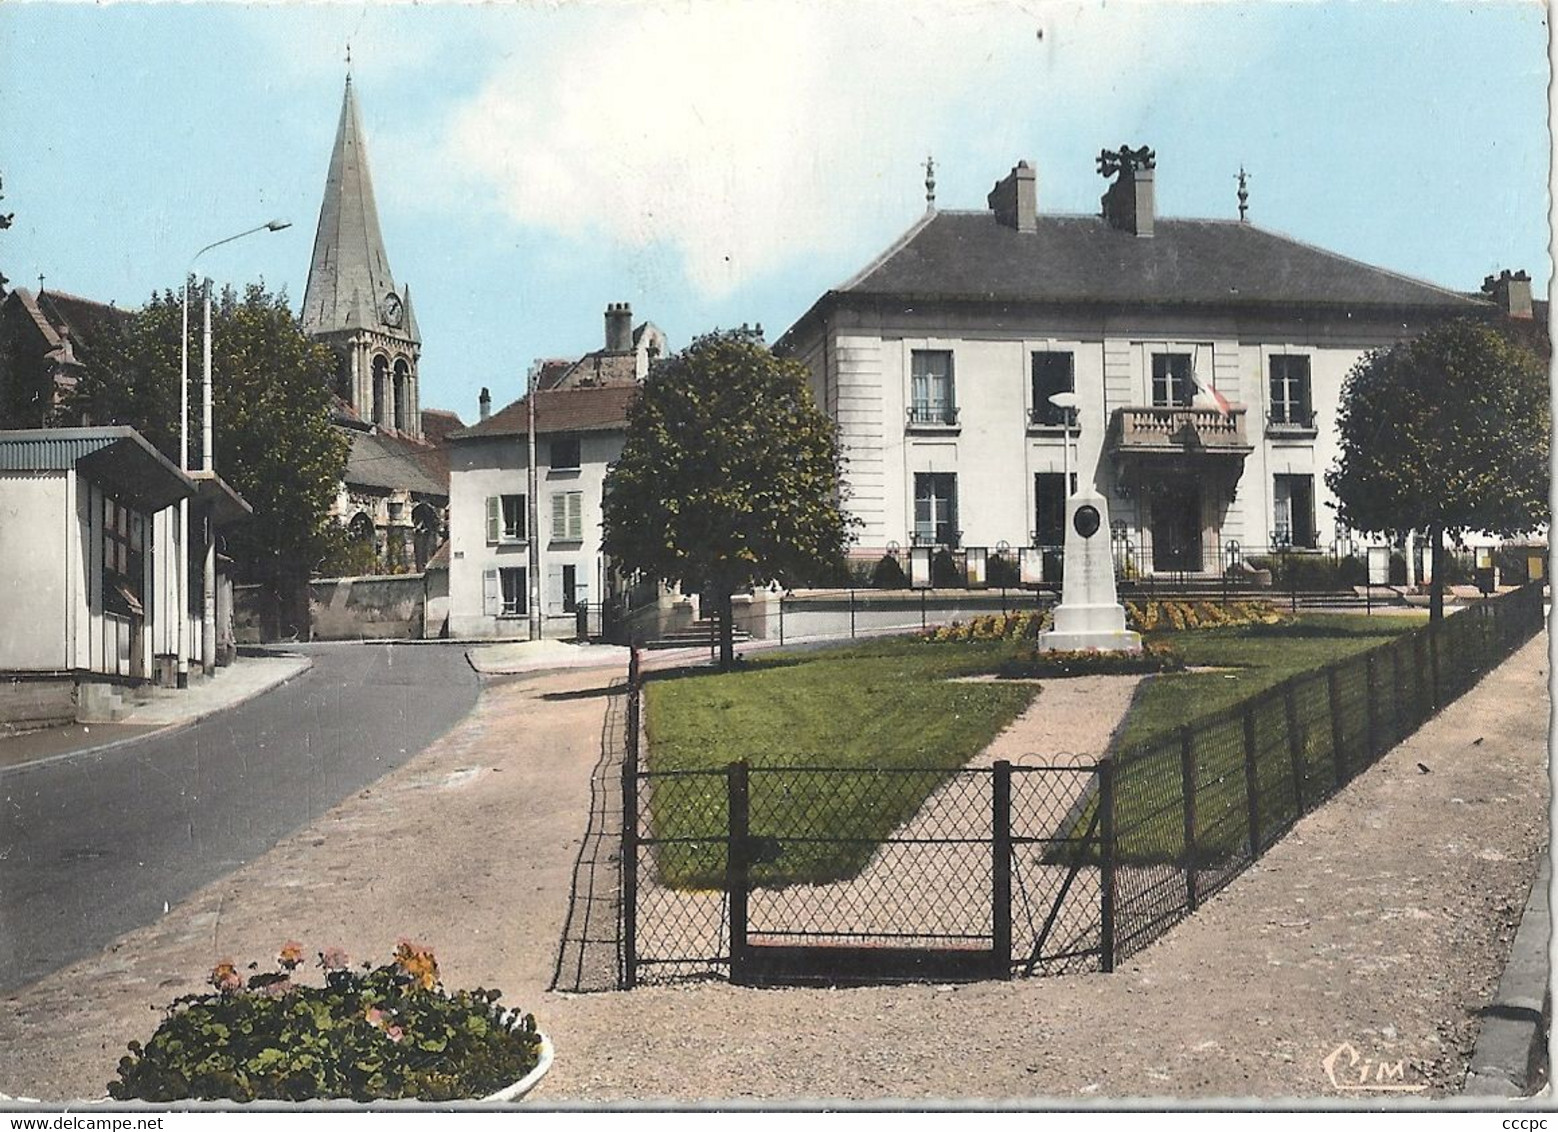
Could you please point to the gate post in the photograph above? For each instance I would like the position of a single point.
(630, 832)
(1001, 869)
(1338, 729)
(1251, 782)
(1106, 867)
(1295, 745)
(736, 878)
(1187, 777)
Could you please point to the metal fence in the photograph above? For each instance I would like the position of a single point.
(785, 874)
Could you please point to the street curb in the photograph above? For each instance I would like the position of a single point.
(1511, 1055)
(167, 729)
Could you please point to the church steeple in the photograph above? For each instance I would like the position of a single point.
(351, 301)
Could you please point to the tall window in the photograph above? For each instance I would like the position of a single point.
(936, 509)
(1290, 401)
(123, 561)
(930, 388)
(564, 452)
(570, 589)
(568, 516)
(506, 520)
(1049, 507)
(515, 594)
(1294, 504)
(1052, 373)
(1172, 384)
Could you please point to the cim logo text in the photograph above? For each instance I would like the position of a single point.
(1350, 1072)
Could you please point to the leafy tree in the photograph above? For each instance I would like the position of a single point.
(273, 438)
(1444, 434)
(729, 476)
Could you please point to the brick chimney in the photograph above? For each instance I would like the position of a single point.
(1511, 290)
(484, 403)
(1129, 203)
(1015, 199)
(619, 328)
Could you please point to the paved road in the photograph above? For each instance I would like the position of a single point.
(94, 846)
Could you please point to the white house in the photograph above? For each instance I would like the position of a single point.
(1207, 357)
(81, 610)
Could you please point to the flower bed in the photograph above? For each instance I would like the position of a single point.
(1025, 625)
(382, 1033)
(1152, 616)
(1030, 662)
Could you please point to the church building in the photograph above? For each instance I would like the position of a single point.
(395, 496)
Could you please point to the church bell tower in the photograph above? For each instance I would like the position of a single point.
(352, 303)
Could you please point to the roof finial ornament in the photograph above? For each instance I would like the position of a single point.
(1244, 195)
(348, 60)
(930, 183)
(40, 282)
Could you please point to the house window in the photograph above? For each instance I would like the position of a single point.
(935, 509)
(505, 519)
(568, 516)
(564, 452)
(123, 561)
(1049, 507)
(1052, 373)
(930, 388)
(515, 595)
(1294, 498)
(570, 586)
(1172, 384)
(1290, 402)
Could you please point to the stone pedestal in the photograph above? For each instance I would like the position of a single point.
(1089, 615)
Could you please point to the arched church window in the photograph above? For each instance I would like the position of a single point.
(381, 390)
(360, 528)
(402, 395)
(343, 377)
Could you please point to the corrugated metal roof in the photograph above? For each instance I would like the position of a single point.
(116, 456)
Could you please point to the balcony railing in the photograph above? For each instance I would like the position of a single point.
(1292, 421)
(935, 416)
(1177, 431)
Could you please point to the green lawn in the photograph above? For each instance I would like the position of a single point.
(887, 713)
(887, 705)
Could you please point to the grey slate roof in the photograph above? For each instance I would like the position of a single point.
(1082, 259)
(378, 461)
(349, 274)
(598, 408)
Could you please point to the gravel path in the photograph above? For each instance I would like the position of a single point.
(1382, 920)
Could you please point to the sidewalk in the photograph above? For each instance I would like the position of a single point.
(1380, 924)
(245, 678)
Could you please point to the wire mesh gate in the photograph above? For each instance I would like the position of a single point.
(838, 875)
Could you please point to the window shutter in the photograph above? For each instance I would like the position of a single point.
(494, 520)
(554, 598)
(559, 516)
(576, 515)
(491, 597)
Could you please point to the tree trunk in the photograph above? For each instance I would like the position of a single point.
(1436, 585)
(727, 627)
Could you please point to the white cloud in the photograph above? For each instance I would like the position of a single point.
(744, 136)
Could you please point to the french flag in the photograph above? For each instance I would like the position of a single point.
(1210, 392)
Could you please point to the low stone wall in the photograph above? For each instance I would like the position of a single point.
(29, 704)
(349, 609)
(834, 613)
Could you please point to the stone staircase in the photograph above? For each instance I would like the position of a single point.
(702, 633)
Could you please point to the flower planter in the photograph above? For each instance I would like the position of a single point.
(530, 1080)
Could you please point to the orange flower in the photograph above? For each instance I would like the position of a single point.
(417, 962)
(224, 977)
(291, 955)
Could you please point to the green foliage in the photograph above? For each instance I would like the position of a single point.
(1155, 656)
(388, 1033)
(1314, 572)
(273, 437)
(1152, 616)
(1443, 434)
(729, 475)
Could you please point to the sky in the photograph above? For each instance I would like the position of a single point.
(720, 162)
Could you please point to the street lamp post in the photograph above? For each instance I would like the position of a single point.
(208, 589)
(1067, 403)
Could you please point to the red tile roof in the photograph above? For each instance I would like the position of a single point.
(595, 409)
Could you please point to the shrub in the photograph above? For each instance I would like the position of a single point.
(1030, 662)
(888, 574)
(387, 1033)
(1001, 572)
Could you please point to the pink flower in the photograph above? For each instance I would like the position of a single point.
(394, 1033)
(333, 959)
(225, 978)
(375, 1016)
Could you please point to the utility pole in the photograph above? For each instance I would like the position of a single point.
(533, 515)
(207, 465)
